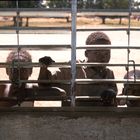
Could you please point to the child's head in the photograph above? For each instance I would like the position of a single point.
(132, 89)
(16, 73)
(99, 55)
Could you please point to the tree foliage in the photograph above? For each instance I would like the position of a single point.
(96, 4)
(112, 4)
(81, 4)
(59, 3)
(21, 4)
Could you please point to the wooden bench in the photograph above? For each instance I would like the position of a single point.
(22, 13)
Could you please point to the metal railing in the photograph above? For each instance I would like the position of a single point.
(73, 47)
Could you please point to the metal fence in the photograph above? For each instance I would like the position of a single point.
(71, 16)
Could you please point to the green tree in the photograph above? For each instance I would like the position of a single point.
(90, 4)
(4, 4)
(21, 4)
(59, 3)
(136, 5)
(113, 4)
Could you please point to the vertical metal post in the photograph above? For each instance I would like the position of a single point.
(129, 21)
(73, 50)
(17, 22)
(18, 49)
(128, 33)
(128, 50)
(17, 31)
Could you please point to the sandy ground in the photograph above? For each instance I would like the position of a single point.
(118, 38)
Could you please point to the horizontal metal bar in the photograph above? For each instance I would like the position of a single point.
(108, 29)
(35, 9)
(106, 64)
(34, 31)
(69, 29)
(39, 81)
(60, 64)
(32, 64)
(48, 98)
(8, 99)
(56, 98)
(94, 81)
(129, 97)
(37, 47)
(99, 47)
(66, 46)
(41, 98)
(35, 28)
(78, 81)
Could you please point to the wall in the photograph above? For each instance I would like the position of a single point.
(70, 124)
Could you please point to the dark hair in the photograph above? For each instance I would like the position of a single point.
(21, 56)
(98, 38)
